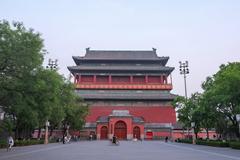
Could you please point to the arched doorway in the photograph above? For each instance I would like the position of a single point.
(136, 132)
(104, 132)
(120, 130)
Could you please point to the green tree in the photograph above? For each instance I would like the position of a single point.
(189, 111)
(75, 109)
(223, 92)
(30, 94)
(46, 91)
(207, 113)
(21, 52)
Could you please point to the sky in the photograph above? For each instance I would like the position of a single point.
(206, 33)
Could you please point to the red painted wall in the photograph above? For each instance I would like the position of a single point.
(102, 79)
(154, 79)
(139, 79)
(121, 79)
(150, 114)
(87, 78)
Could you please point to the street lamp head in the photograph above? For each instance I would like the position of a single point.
(52, 64)
(1, 116)
(47, 123)
(192, 124)
(1, 113)
(238, 118)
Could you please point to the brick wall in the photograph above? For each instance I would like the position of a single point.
(150, 114)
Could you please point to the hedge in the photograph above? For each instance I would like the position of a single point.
(3, 143)
(234, 145)
(189, 141)
(27, 142)
(213, 143)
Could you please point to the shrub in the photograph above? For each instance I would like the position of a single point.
(184, 141)
(28, 142)
(3, 143)
(234, 145)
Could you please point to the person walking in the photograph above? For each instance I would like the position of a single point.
(166, 139)
(10, 143)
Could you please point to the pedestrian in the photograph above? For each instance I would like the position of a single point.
(10, 143)
(166, 139)
(114, 139)
(90, 137)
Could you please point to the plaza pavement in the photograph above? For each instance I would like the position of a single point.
(127, 150)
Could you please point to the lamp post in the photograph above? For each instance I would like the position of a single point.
(66, 127)
(47, 124)
(184, 70)
(52, 65)
(238, 120)
(172, 136)
(193, 136)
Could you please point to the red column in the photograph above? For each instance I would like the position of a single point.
(171, 78)
(79, 78)
(166, 79)
(161, 79)
(131, 79)
(94, 78)
(110, 79)
(74, 78)
(146, 78)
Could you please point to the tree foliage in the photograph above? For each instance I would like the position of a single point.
(31, 94)
(217, 106)
(223, 92)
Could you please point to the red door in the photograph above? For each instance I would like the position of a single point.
(136, 132)
(120, 130)
(104, 133)
(149, 135)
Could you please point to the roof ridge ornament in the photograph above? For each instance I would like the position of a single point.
(87, 49)
(154, 50)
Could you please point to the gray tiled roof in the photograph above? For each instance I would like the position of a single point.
(138, 120)
(105, 119)
(178, 125)
(126, 68)
(121, 69)
(120, 54)
(102, 119)
(125, 94)
(149, 56)
(90, 125)
(157, 125)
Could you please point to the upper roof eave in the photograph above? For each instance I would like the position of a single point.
(75, 69)
(79, 59)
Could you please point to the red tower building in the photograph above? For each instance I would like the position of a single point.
(128, 93)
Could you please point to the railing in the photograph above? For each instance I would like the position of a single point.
(125, 86)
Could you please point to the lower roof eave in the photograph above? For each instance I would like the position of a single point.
(124, 99)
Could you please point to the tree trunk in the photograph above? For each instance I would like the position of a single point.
(51, 131)
(39, 132)
(64, 132)
(207, 133)
(188, 133)
(196, 135)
